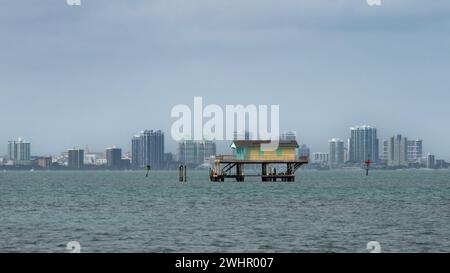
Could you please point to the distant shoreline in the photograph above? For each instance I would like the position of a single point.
(204, 170)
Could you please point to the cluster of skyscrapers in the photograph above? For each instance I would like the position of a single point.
(147, 149)
(395, 152)
(75, 158)
(400, 151)
(194, 153)
(19, 151)
(363, 144)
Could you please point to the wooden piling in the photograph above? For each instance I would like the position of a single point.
(264, 172)
(180, 173)
(239, 173)
(224, 165)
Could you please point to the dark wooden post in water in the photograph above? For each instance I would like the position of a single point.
(290, 173)
(239, 173)
(264, 172)
(182, 173)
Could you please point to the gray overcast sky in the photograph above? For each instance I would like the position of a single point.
(99, 73)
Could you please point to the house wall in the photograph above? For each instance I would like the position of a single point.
(256, 154)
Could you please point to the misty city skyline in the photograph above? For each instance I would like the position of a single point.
(100, 73)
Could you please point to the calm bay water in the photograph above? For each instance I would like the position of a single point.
(330, 211)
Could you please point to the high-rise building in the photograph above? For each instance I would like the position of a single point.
(152, 143)
(192, 152)
(288, 136)
(304, 151)
(384, 151)
(19, 151)
(136, 152)
(44, 162)
(431, 161)
(320, 158)
(397, 151)
(345, 154)
(75, 158)
(415, 150)
(207, 149)
(336, 154)
(148, 149)
(187, 152)
(440, 164)
(363, 144)
(114, 158)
